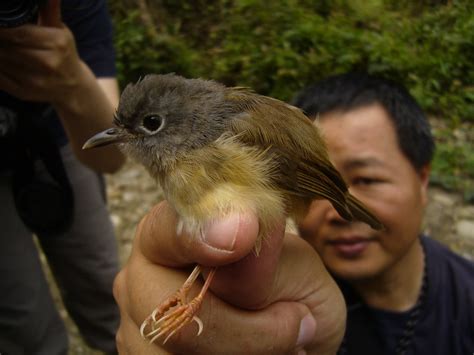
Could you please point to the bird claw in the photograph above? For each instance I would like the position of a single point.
(176, 312)
(199, 323)
(172, 322)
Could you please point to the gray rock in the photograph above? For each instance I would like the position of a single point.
(465, 229)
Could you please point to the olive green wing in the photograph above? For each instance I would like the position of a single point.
(295, 142)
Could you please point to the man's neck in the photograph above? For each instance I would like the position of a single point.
(398, 288)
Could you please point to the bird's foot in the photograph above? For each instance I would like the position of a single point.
(176, 311)
(172, 320)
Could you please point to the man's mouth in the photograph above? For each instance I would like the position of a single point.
(350, 247)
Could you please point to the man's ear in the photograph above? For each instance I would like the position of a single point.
(424, 174)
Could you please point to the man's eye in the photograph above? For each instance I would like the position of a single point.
(361, 181)
(153, 123)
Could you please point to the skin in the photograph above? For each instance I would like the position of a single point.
(44, 59)
(385, 267)
(257, 300)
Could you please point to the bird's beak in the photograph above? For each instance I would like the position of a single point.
(109, 136)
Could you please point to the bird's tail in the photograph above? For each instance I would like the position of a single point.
(362, 213)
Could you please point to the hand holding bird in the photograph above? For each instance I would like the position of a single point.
(252, 298)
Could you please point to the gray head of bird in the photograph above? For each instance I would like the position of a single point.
(162, 116)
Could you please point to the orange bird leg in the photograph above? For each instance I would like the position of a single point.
(175, 312)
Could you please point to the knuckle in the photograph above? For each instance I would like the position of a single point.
(152, 215)
(119, 286)
(38, 82)
(51, 64)
(156, 210)
(16, 35)
(119, 341)
(150, 222)
(61, 42)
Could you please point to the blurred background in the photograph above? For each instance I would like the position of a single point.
(277, 47)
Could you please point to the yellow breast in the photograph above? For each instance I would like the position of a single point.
(223, 178)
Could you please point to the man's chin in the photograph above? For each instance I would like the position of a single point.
(353, 270)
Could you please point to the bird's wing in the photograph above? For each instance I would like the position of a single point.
(288, 134)
(306, 170)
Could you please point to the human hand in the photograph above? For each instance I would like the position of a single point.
(40, 62)
(280, 302)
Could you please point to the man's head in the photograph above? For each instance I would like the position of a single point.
(354, 90)
(380, 141)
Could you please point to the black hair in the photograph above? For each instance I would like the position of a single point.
(354, 90)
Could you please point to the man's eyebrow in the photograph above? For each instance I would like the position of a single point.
(362, 163)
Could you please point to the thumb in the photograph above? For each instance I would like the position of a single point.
(162, 241)
(50, 14)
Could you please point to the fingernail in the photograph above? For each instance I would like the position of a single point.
(221, 234)
(307, 330)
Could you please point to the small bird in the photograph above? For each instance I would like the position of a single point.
(216, 151)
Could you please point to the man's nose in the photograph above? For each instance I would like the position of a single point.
(334, 218)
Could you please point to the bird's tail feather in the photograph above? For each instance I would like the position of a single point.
(362, 213)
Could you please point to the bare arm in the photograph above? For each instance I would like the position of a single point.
(90, 110)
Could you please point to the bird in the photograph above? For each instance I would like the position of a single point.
(218, 150)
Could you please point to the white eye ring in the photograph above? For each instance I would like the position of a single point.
(153, 123)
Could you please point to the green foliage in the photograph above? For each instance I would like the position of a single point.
(277, 47)
(139, 54)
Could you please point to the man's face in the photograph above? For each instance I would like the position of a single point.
(362, 144)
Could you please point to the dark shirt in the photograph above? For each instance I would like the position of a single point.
(90, 23)
(446, 322)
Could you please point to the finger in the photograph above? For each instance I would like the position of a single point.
(30, 36)
(303, 277)
(249, 282)
(222, 242)
(9, 84)
(128, 338)
(130, 342)
(50, 14)
(25, 61)
(275, 330)
(17, 78)
(299, 275)
(229, 330)
(242, 278)
(22, 61)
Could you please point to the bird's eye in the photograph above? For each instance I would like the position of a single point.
(153, 123)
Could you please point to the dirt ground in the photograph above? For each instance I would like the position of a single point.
(132, 192)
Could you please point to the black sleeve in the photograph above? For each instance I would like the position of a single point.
(91, 25)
